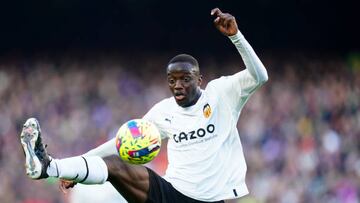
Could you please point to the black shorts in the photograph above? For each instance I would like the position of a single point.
(161, 191)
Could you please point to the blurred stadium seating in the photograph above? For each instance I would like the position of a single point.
(300, 132)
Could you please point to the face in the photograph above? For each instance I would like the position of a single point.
(184, 82)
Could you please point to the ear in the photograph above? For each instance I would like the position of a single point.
(199, 80)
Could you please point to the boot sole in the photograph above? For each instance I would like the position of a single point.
(28, 138)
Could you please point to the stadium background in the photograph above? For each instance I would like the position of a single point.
(85, 67)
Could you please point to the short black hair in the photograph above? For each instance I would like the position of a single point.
(184, 58)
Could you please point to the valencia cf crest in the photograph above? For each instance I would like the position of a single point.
(207, 111)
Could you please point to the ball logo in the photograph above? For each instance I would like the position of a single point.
(207, 111)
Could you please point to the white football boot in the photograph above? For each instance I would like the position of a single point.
(36, 158)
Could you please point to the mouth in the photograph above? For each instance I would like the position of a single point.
(179, 96)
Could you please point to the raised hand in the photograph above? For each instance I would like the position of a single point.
(224, 22)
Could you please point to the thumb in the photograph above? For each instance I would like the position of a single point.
(217, 20)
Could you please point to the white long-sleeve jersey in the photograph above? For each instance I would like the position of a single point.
(206, 160)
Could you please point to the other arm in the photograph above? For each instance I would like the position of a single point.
(227, 25)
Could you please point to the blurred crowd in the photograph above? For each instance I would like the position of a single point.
(300, 131)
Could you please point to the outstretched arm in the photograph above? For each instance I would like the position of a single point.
(106, 149)
(227, 25)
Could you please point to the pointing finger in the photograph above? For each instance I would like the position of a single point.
(216, 12)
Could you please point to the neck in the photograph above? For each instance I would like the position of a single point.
(196, 98)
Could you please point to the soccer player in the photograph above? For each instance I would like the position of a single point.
(206, 161)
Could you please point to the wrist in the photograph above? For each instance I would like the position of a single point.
(236, 37)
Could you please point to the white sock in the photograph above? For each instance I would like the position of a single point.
(80, 169)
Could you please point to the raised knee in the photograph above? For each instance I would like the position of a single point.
(113, 162)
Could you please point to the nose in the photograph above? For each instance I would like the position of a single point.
(178, 84)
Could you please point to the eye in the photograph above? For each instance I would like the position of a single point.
(171, 81)
(187, 79)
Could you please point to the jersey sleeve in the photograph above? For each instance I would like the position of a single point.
(106, 149)
(154, 116)
(252, 62)
(109, 148)
(236, 89)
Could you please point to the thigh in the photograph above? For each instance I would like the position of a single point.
(161, 191)
(131, 181)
